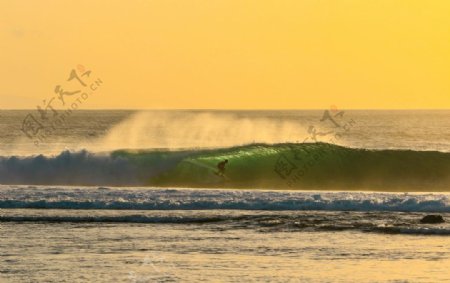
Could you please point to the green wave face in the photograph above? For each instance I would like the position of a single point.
(295, 166)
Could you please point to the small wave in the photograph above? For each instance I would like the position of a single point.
(109, 219)
(202, 199)
(264, 222)
(338, 205)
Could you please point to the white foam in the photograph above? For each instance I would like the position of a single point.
(175, 199)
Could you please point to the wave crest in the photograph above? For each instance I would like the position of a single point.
(297, 166)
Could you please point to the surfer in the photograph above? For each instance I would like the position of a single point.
(221, 167)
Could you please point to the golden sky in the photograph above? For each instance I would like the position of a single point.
(229, 54)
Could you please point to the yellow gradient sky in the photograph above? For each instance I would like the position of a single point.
(231, 53)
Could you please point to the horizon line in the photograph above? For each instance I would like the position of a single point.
(232, 109)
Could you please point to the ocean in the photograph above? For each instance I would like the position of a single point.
(306, 196)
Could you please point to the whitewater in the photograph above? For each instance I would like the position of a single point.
(41, 197)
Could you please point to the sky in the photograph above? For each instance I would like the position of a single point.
(230, 54)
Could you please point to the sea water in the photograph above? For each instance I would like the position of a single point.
(57, 229)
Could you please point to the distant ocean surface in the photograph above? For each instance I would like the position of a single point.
(307, 196)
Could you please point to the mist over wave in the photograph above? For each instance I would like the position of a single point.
(109, 130)
(182, 130)
(164, 130)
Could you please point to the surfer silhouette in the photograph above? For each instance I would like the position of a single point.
(221, 167)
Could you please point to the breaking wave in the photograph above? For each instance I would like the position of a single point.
(294, 166)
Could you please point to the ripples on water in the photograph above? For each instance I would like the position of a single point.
(225, 246)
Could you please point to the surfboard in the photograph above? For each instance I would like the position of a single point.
(222, 175)
(211, 169)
